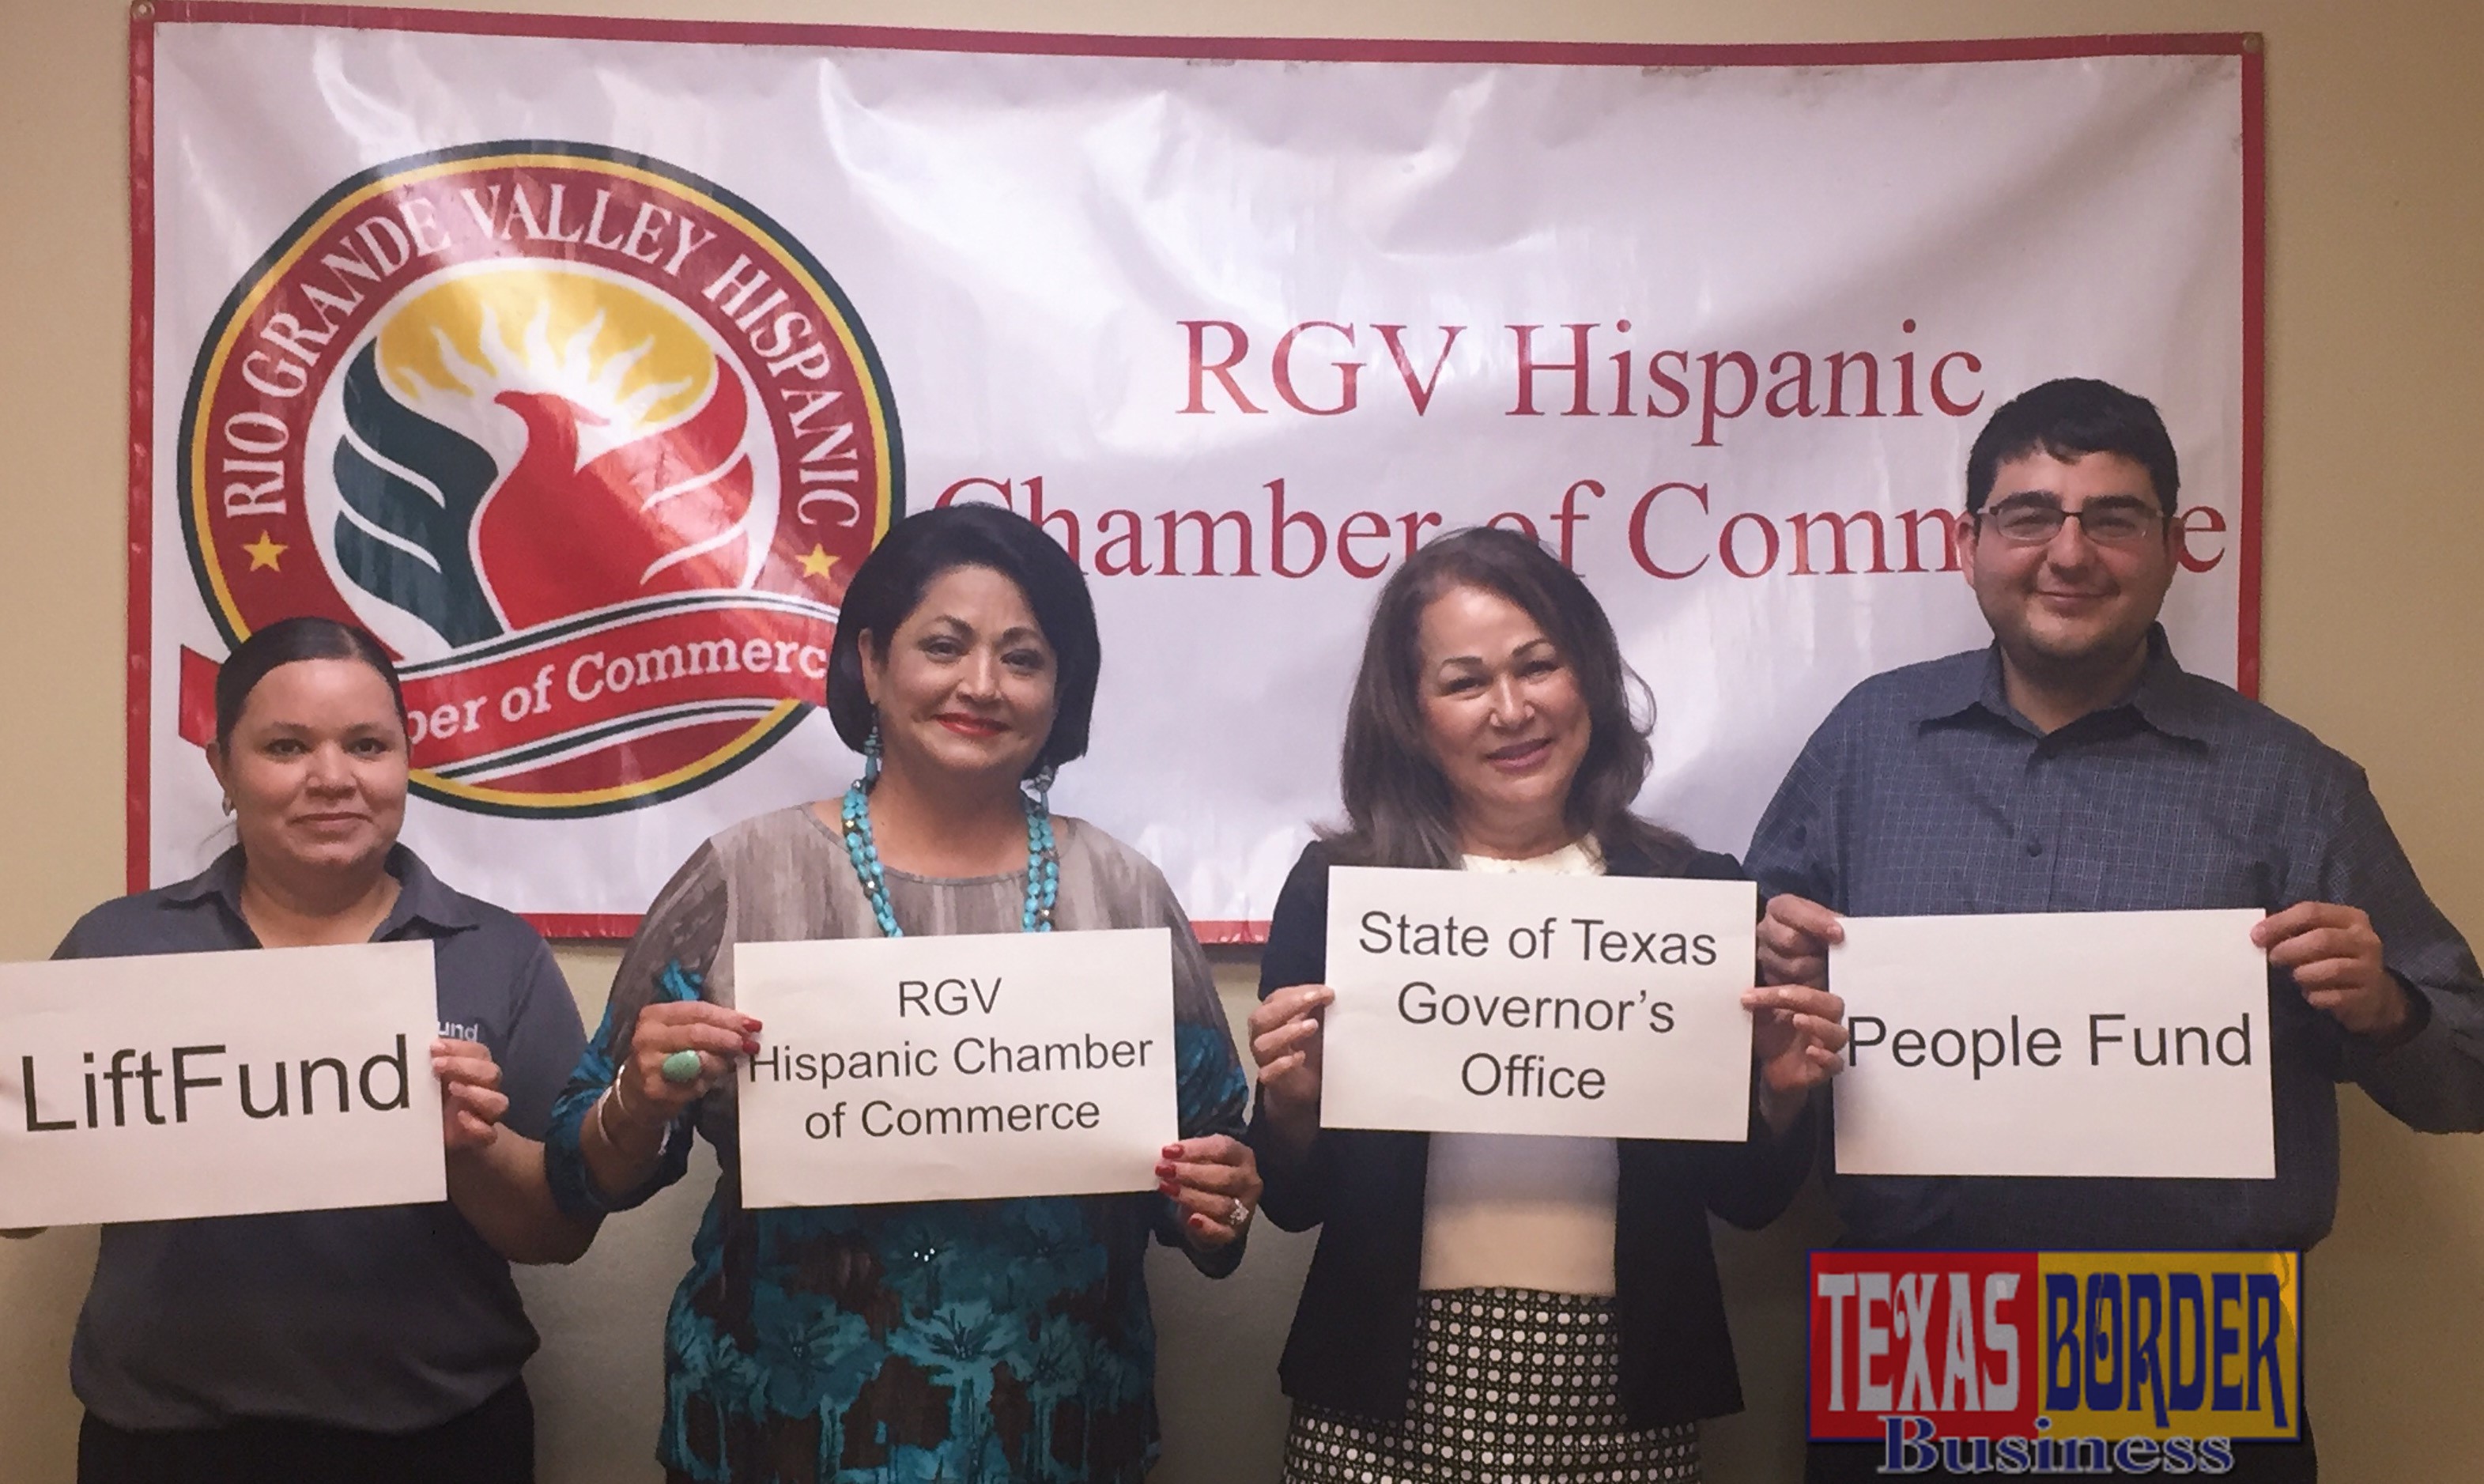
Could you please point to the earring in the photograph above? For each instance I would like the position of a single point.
(870, 757)
(227, 803)
(1038, 786)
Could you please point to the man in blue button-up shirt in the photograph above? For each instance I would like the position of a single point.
(2074, 767)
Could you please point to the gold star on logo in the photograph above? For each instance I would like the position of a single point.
(264, 552)
(817, 561)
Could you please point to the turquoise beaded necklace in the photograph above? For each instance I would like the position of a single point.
(1043, 860)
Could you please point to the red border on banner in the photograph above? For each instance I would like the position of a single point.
(1240, 48)
(1229, 931)
(585, 925)
(603, 926)
(2255, 354)
(142, 431)
(1215, 932)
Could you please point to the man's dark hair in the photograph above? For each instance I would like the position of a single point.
(1399, 807)
(890, 583)
(2069, 420)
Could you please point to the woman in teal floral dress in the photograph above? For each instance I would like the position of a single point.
(1002, 1341)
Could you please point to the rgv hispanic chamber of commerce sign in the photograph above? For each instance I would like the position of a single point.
(582, 361)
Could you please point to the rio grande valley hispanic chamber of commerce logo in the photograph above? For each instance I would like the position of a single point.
(592, 445)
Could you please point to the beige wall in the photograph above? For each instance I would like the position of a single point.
(2374, 535)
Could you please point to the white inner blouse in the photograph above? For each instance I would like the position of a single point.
(1523, 1210)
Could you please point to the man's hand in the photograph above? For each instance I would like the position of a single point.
(2336, 959)
(1794, 936)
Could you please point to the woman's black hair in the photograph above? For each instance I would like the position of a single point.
(282, 642)
(890, 583)
(1399, 805)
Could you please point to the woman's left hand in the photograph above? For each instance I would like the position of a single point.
(1796, 1034)
(1215, 1181)
(472, 1103)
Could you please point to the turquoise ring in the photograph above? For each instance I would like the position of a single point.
(682, 1066)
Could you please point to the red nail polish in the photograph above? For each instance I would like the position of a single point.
(1167, 1188)
(1164, 1172)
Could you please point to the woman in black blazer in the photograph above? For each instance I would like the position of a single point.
(1487, 1307)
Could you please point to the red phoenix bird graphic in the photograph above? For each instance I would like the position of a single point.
(662, 513)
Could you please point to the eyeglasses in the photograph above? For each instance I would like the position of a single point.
(2106, 523)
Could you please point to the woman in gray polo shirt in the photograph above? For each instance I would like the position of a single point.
(366, 1346)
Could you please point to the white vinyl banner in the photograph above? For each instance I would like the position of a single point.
(276, 1079)
(583, 362)
(1538, 1004)
(957, 1067)
(2063, 1044)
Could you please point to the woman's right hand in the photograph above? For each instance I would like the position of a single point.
(644, 1100)
(1286, 1043)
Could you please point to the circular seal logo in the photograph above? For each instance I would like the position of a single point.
(591, 444)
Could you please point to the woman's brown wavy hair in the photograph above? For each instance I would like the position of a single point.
(1398, 806)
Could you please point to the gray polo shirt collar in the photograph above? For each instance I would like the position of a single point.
(420, 897)
(2165, 698)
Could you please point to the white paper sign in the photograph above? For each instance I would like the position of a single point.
(956, 1068)
(2071, 1044)
(272, 1079)
(1491, 1004)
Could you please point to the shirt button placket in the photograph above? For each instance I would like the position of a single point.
(2031, 822)
(2041, 826)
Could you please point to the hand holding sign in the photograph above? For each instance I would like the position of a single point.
(1215, 1182)
(1796, 1037)
(2336, 959)
(1286, 1043)
(472, 1103)
(1796, 1030)
(643, 1100)
(1796, 936)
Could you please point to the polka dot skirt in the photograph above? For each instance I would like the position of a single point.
(1510, 1387)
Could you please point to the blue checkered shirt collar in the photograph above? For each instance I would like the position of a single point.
(2165, 698)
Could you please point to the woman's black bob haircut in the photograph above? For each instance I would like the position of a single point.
(281, 643)
(890, 583)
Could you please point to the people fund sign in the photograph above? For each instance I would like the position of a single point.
(1538, 1004)
(955, 1067)
(2070, 1043)
(583, 361)
(272, 1079)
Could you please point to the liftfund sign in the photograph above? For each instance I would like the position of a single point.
(569, 365)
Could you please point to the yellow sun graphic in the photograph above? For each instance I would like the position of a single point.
(623, 354)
